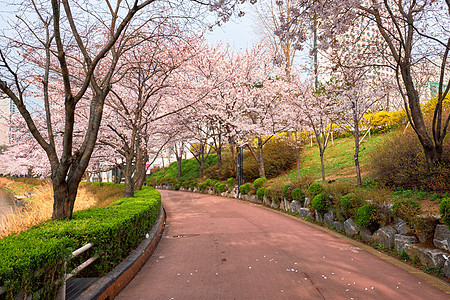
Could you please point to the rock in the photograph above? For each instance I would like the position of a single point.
(304, 212)
(329, 218)
(385, 236)
(366, 235)
(295, 206)
(307, 202)
(224, 194)
(287, 205)
(275, 205)
(424, 227)
(446, 268)
(350, 227)
(427, 257)
(252, 198)
(402, 227)
(338, 225)
(401, 240)
(442, 237)
(282, 203)
(266, 201)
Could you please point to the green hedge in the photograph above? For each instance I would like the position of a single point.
(245, 188)
(32, 260)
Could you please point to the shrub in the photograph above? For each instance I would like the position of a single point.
(320, 203)
(230, 182)
(406, 209)
(286, 190)
(259, 183)
(315, 189)
(193, 184)
(260, 193)
(444, 210)
(244, 189)
(367, 217)
(106, 183)
(216, 187)
(298, 195)
(276, 191)
(267, 192)
(350, 204)
(202, 186)
(403, 164)
(222, 187)
(151, 182)
(177, 186)
(114, 230)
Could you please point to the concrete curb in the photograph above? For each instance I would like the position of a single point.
(110, 285)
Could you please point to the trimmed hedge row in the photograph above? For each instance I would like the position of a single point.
(32, 261)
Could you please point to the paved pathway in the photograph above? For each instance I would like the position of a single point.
(219, 248)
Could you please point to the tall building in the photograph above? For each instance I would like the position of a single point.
(7, 109)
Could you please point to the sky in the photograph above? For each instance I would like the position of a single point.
(238, 32)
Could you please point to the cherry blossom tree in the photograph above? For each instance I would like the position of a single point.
(71, 40)
(318, 110)
(408, 33)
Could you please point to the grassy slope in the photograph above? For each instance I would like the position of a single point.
(338, 158)
(189, 168)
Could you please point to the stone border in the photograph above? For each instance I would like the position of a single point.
(110, 285)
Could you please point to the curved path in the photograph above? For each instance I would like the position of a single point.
(220, 248)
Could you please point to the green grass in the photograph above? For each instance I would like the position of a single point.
(189, 168)
(338, 158)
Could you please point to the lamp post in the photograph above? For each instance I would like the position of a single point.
(240, 158)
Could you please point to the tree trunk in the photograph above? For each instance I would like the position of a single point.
(358, 171)
(179, 158)
(258, 157)
(234, 158)
(416, 117)
(261, 170)
(297, 154)
(129, 182)
(322, 164)
(356, 136)
(118, 175)
(201, 165)
(219, 156)
(63, 200)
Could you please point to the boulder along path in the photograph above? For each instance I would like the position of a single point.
(220, 248)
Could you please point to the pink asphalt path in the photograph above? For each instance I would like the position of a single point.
(220, 248)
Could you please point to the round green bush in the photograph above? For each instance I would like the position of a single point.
(406, 209)
(286, 190)
(267, 192)
(244, 189)
(298, 195)
(209, 182)
(259, 183)
(320, 203)
(315, 189)
(230, 182)
(444, 210)
(222, 187)
(260, 193)
(193, 184)
(177, 186)
(202, 186)
(367, 217)
(350, 204)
